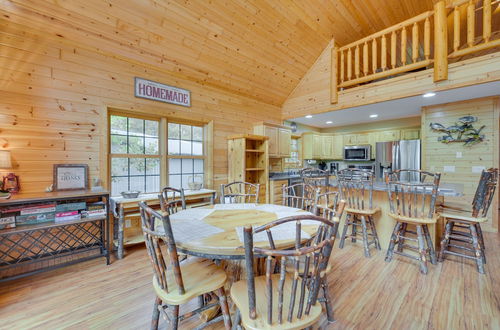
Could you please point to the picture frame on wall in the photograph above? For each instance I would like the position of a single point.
(71, 177)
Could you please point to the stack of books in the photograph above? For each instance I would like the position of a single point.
(34, 214)
(69, 211)
(97, 209)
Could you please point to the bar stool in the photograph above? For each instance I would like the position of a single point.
(316, 178)
(464, 225)
(412, 199)
(356, 188)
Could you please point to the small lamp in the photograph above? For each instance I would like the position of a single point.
(11, 181)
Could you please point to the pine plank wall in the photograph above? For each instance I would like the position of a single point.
(55, 97)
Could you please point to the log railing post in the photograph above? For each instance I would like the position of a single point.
(440, 42)
(334, 77)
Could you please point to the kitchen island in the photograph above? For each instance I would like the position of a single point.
(384, 223)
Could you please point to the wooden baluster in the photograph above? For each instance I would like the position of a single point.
(334, 79)
(414, 43)
(427, 38)
(403, 46)
(470, 23)
(365, 59)
(383, 53)
(356, 61)
(440, 42)
(486, 20)
(374, 56)
(342, 65)
(393, 49)
(349, 64)
(456, 29)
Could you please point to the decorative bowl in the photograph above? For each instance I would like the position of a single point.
(130, 194)
(195, 185)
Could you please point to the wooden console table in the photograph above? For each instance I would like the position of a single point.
(128, 209)
(30, 249)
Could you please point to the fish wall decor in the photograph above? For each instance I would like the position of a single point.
(461, 131)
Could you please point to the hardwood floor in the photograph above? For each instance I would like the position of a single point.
(367, 293)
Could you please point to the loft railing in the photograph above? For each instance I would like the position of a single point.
(391, 51)
(473, 11)
(416, 43)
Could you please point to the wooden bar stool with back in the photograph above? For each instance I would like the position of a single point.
(412, 200)
(463, 224)
(356, 188)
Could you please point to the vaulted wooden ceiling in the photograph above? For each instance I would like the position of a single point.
(256, 48)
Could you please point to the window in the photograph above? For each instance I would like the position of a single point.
(138, 157)
(185, 154)
(135, 157)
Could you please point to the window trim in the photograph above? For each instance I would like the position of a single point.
(163, 145)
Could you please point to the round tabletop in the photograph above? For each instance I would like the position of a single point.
(216, 232)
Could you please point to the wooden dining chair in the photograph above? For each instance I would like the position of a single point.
(356, 188)
(299, 195)
(239, 192)
(181, 282)
(284, 300)
(316, 178)
(412, 203)
(330, 206)
(172, 200)
(463, 225)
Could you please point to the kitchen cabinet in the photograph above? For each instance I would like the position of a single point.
(356, 139)
(312, 146)
(350, 139)
(317, 146)
(279, 136)
(410, 134)
(337, 147)
(389, 135)
(327, 152)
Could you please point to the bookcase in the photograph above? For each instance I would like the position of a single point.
(49, 242)
(248, 160)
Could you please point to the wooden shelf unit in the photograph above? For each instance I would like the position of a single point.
(248, 159)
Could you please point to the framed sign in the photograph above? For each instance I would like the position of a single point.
(151, 90)
(71, 176)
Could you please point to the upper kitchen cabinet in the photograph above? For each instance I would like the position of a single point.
(356, 139)
(410, 134)
(327, 151)
(389, 135)
(312, 146)
(337, 147)
(280, 138)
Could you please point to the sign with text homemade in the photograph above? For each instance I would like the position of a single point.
(151, 90)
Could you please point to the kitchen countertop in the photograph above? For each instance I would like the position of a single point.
(445, 189)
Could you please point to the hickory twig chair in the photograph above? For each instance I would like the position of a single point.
(315, 177)
(299, 195)
(181, 282)
(284, 300)
(172, 199)
(239, 192)
(463, 225)
(412, 203)
(356, 188)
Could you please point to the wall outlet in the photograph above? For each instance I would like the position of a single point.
(128, 223)
(477, 169)
(459, 154)
(449, 169)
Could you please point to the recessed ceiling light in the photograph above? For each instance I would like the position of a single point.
(309, 116)
(374, 115)
(329, 122)
(429, 94)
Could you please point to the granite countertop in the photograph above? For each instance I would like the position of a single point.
(445, 189)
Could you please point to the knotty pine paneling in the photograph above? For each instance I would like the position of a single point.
(55, 97)
(436, 155)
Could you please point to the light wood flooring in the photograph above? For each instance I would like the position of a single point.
(368, 293)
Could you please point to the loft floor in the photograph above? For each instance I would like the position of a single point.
(367, 293)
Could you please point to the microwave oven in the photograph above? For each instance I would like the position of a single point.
(362, 152)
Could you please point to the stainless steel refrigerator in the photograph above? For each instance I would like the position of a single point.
(396, 155)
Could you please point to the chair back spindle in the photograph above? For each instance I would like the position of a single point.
(154, 240)
(293, 295)
(413, 199)
(299, 195)
(172, 200)
(484, 192)
(239, 192)
(356, 188)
